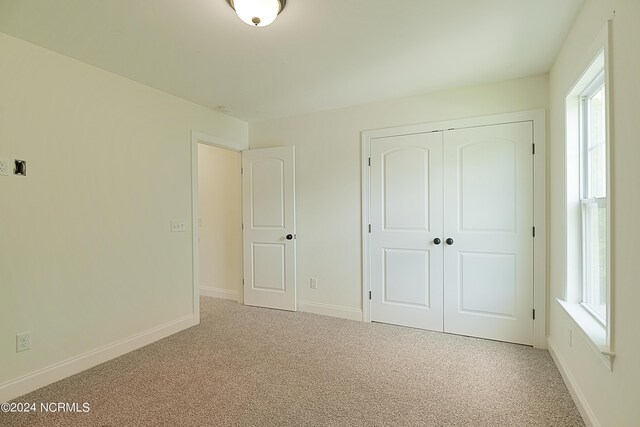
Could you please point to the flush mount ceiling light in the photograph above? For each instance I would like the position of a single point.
(258, 13)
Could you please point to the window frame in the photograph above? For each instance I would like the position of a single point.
(591, 89)
(599, 335)
(598, 202)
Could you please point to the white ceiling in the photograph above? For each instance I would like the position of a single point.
(318, 55)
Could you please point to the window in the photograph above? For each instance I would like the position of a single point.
(587, 298)
(593, 200)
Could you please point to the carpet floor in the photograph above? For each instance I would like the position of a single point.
(246, 366)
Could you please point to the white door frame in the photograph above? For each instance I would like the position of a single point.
(539, 201)
(200, 138)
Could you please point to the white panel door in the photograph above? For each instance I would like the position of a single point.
(488, 215)
(406, 217)
(268, 194)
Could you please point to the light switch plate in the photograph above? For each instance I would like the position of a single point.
(4, 167)
(177, 226)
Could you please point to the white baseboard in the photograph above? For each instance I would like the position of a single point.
(208, 291)
(17, 387)
(575, 391)
(330, 310)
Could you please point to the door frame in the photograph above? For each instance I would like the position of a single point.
(201, 138)
(538, 117)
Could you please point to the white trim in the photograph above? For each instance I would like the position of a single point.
(540, 221)
(214, 141)
(522, 116)
(594, 332)
(540, 202)
(199, 138)
(366, 251)
(209, 291)
(579, 399)
(330, 310)
(42, 377)
(596, 57)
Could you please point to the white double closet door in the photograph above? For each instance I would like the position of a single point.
(451, 242)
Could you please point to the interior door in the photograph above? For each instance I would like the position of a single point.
(269, 229)
(406, 218)
(488, 215)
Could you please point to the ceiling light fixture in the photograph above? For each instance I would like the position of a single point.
(258, 13)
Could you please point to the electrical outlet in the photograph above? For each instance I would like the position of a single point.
(314, 283)
(4, 167)
(570, 338)
(23, 341)
(177, 227)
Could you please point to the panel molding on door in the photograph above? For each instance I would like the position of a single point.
(486, 209)
(269, 246)
(488, 214)
(406, 264)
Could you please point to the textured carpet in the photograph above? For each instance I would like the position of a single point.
(255, 367)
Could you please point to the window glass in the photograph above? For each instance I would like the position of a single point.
(595, 259)
(596, 185)
(594, 206)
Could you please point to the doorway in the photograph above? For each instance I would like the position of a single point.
(220, 222)
(216, 219)
(244, 234)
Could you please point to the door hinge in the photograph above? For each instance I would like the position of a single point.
(241, 170)
(243, 225)
(369, 228)
(534, 314)
(369, 294)
(534, 232)
(369, 161)
(533, 150)
(243, 280)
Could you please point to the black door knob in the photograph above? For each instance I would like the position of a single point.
(449, 241)
(289, 236)
(437, 241)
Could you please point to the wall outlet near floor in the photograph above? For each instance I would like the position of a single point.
(23, 341)
(314, 283)
(570, 338)
(177, 226)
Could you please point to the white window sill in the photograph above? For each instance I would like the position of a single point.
(593, 330)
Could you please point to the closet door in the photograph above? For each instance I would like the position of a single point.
(488, 217)
(406, 218)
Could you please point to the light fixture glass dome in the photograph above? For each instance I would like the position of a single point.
(257, 13)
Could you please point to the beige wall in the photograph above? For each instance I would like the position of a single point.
(611, 398)
(86, 253)
(328, 175)
(220, 212)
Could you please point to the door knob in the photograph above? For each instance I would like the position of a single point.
(437, 241)
(449, 241)
(289, 236)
